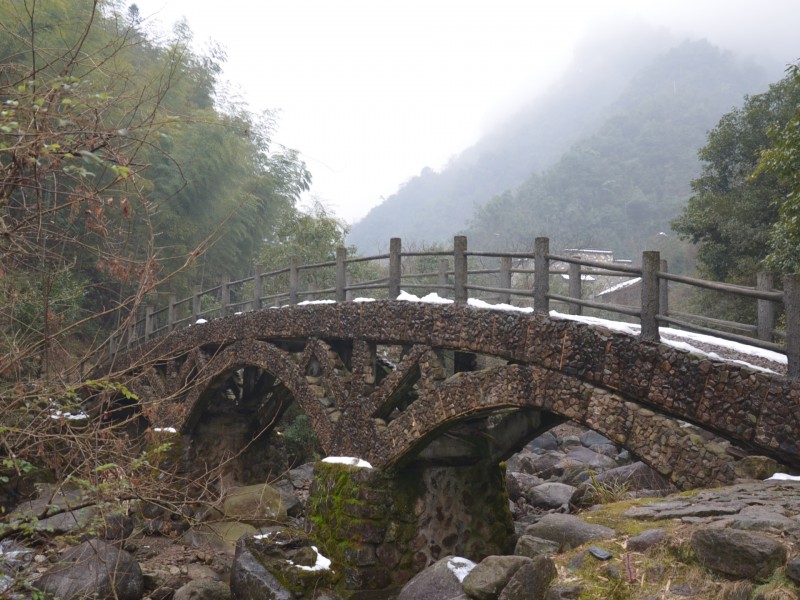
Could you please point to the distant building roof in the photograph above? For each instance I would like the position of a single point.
(620, 286)
(583, 277)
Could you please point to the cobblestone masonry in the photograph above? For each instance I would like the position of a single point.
(631, 391)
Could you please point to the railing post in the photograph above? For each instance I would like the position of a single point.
(460, 293)
(341, 274)
(663, 290)
(348, 283)
(224, 295)
(541, 276)
(294, 279)
(395, 267)
(148, 322)
(172, 315)
(766, 309)
(791, 303)
(575, 287)
(196, 303)
(651, 260)
(442, 282)
(258, 288)
(504, 280)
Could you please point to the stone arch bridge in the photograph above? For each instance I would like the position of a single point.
(464, 384)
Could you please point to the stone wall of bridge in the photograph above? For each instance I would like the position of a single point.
(635, 393)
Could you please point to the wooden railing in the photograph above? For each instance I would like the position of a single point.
(456, 276)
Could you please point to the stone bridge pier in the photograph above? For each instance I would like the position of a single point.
(383, 526)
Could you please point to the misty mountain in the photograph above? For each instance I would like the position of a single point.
(625, 182)
(617, 96)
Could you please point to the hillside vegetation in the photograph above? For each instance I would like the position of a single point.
(605, 158)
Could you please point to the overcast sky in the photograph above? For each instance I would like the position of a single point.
(372, 91)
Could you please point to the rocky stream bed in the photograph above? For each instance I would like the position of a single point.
(590, 523)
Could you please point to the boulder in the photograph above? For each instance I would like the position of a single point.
(793, 570)
(564, 592)
(592, 438)
(520, 485)
(530, 546)
(546, 441)
(531, 580)
(551, 495)
(568, 531)
(491, 575)
(203, 589)
(590, 458)
(646, 539)
(279, 561)
(94, 569)
(221, 535)
(547, 465)
(755, 467)
(441, 580)
(739, 554)
(259, 504)
(250, 580)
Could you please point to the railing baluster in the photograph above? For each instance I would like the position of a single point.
(575, 287)
(442, 281)
(460, 292)
(294, 279)
(341, 274)
(395, 267)
(791, 301)
(766, 308)
(504, 280)
(224, 295)
(651, 260)
(196, 303)
(663, 290)
(171, 313)
(258, 288)
(541, 276)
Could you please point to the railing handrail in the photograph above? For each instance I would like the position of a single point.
(453, 275)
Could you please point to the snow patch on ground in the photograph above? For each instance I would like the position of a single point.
(322, 564)
(784, 477)
(348, 460)
(460, 567)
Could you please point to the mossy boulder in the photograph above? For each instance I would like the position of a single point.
(257, 505)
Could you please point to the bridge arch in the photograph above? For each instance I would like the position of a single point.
(631, 391)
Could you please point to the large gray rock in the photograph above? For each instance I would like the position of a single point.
(520, 485)
(738, 554)
(250, 580)
(551, 495)
(592, 438)
(590, 459)
(646, 539)
(793, 570)
(94, 569)
(530, 546)
(441, 580)
(203, 589)
(259, 504)
(568, 531)
(564, 592)
(546, 441)
(531, 580)
(491, 575)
